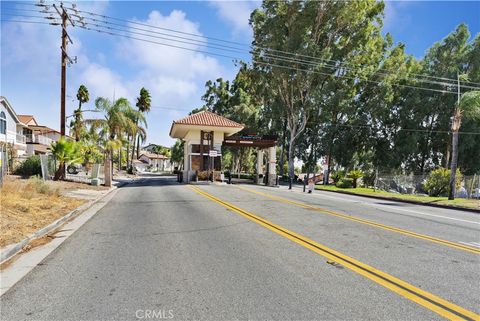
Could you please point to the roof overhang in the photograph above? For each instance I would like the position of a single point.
(181, 130)
(12, 112)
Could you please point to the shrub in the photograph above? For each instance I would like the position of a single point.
(30, 167)
(344, 183)
(336, 177)
(39, 185)
(437, 182)
(203, 175)
(355, 175)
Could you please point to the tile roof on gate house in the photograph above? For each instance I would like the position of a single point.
(207, 118)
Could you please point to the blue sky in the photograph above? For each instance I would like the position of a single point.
(30, 54)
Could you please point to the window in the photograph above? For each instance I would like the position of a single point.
(3, 123)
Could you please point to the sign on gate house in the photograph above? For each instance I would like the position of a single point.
(262, 141)
(212, 153)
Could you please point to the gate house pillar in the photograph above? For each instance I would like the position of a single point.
(258, 180)
(272, 166)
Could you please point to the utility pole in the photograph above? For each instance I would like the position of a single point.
(64, 72)
(65, 59)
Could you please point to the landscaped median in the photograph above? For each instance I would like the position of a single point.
(471, 204)
(29, 205)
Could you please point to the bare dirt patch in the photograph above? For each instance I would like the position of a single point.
(27, 205)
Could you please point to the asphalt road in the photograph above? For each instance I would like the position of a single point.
(159, 250)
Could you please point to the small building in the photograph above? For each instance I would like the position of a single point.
(203, 132)
(156, 162)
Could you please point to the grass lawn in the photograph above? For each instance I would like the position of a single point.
(459, 202)
(27, 205)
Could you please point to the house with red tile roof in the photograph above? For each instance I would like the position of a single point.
(155, 161)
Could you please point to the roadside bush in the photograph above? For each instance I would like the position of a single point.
(39, 185)
(337, 176)
(355, 175)
(203, 175)
(30, 167)
(437, 182)
(345, 183)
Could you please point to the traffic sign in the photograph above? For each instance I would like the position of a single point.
(212, 153)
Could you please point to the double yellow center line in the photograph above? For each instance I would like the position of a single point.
(432, 302)
(458, 246)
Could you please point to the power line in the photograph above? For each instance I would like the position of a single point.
(250, 46)
(235, 49)
(258, 62)
(23, 16)
(160, 33)
(163, 38)
(285, 59)
(404, 129)
(33, 22)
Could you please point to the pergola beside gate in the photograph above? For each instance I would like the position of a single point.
(262, 143)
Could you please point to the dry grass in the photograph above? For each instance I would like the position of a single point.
(26, 205)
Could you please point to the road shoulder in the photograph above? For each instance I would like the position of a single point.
(18, 263)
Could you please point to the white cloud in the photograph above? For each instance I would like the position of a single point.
(395, 14)
(237, 14)
(171, 61)
(174, 76)
(103, 82)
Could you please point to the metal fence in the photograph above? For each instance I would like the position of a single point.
(3, 164)
(413, 184)
(85, 175)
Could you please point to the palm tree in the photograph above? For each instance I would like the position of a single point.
(77, 125)
(468, 106)
(143, 104)
(118, 119)
(65, 152)
(137, 125)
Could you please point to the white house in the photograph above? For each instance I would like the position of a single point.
(11, 128)
(38, 138)
(156, 162)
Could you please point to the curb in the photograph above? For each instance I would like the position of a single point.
(406, 201)
(11, 250)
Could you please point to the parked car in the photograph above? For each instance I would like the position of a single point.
(74, 169)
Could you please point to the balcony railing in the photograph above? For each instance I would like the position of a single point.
(20, 139)
(38, 139)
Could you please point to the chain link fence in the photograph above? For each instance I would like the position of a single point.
(3, 164)
(413, 184)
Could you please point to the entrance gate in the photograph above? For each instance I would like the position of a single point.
(262, 143)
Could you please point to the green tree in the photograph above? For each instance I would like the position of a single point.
(77, 126)
(355, 175)
(65, 152)
(143, 104)
(337, 30)
(177, 153)
(438, 181)
(118, 118)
